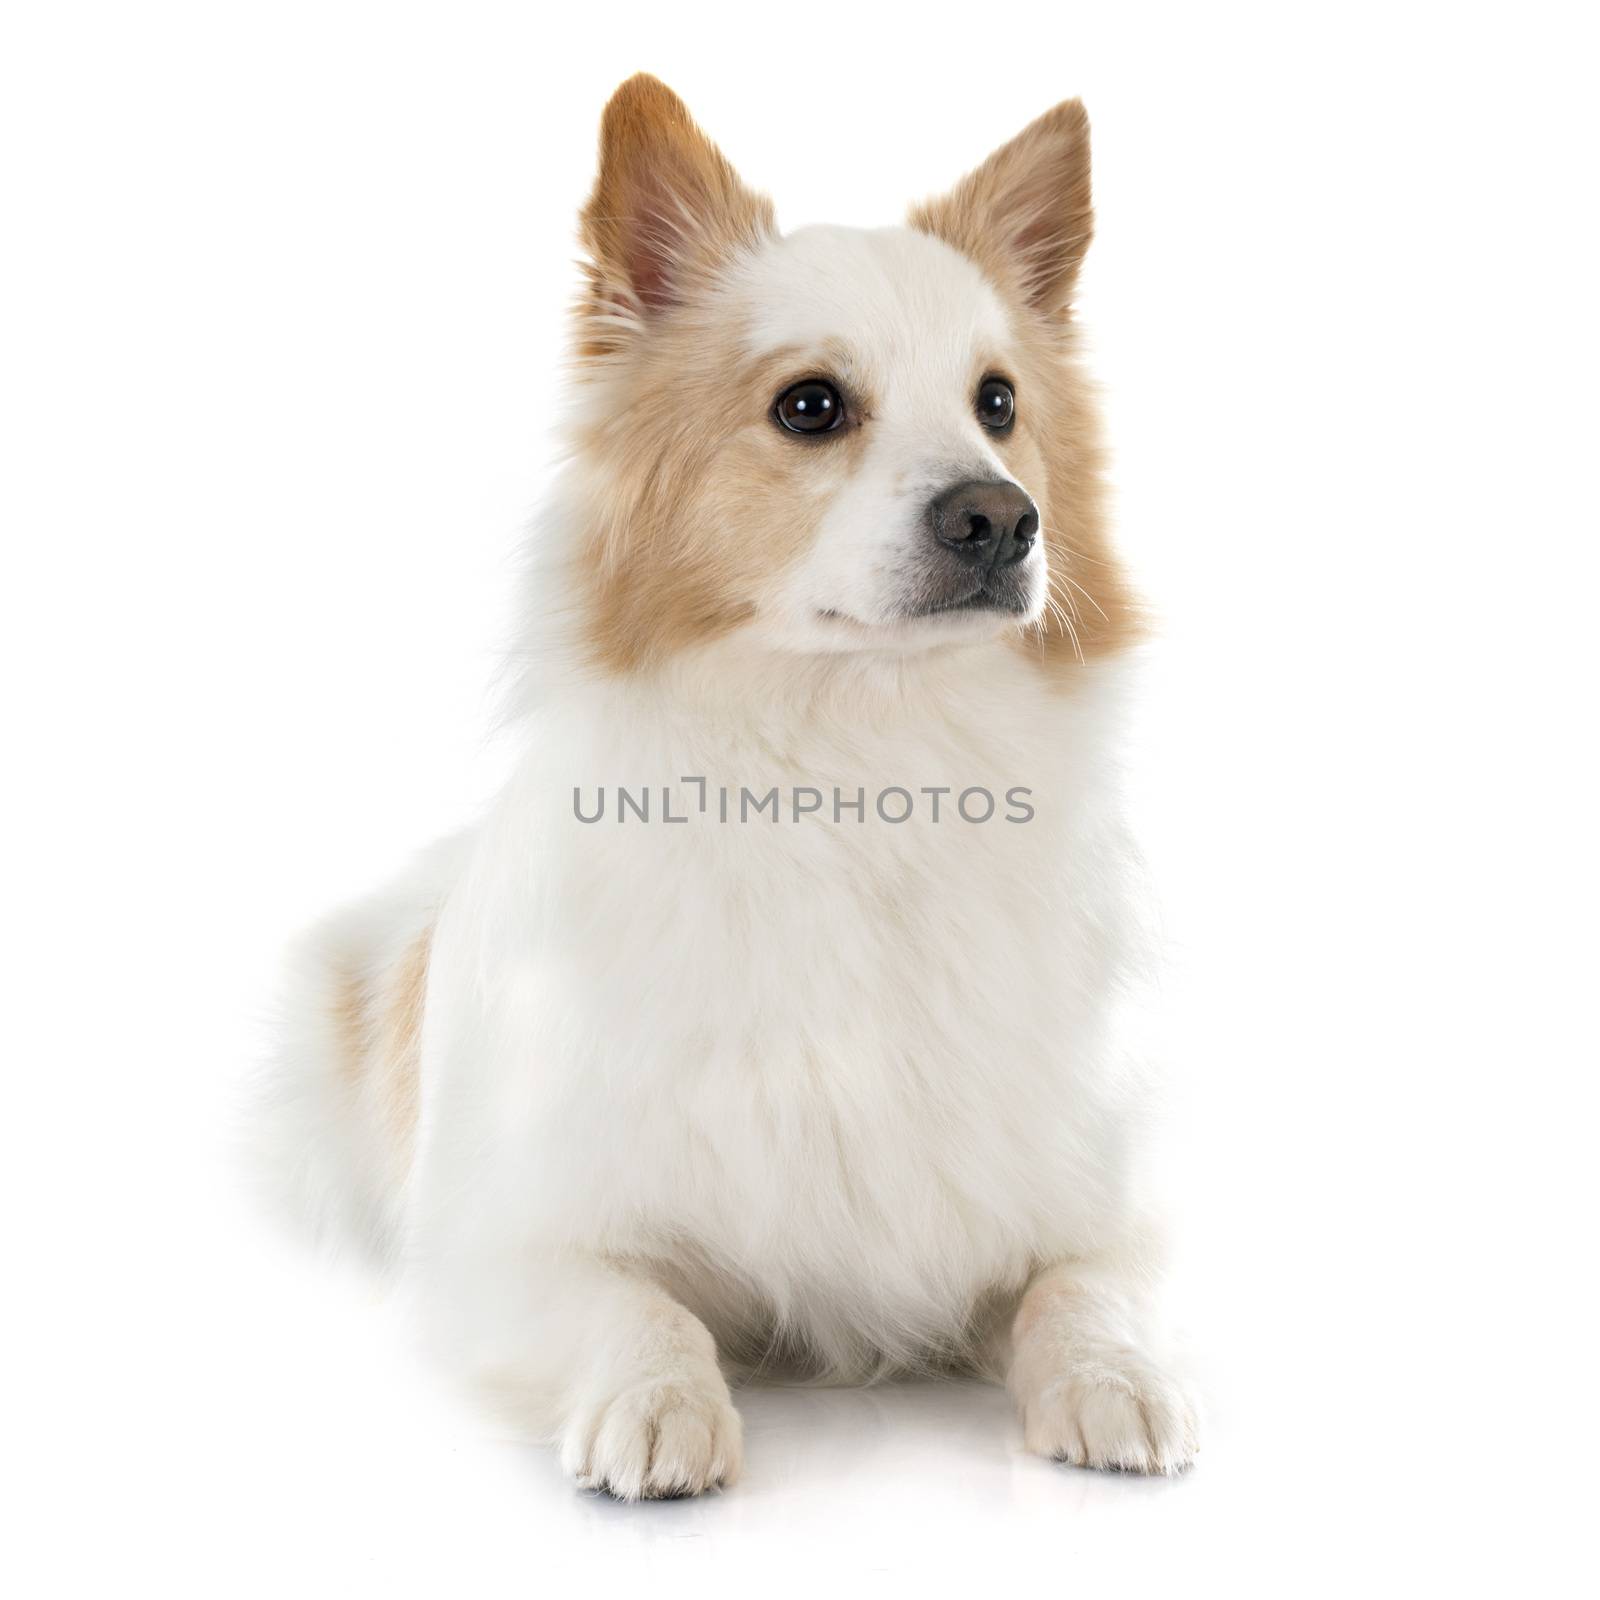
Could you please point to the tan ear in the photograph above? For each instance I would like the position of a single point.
(666, 207)
(1025, 215)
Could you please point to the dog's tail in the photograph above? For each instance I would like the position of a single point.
(333, 1127)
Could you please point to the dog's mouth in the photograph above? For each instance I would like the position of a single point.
(1004, 602)
(1007, 600)
(993, 595)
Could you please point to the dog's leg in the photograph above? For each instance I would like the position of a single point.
(647, 1411)
(603, 1361)
(1087, 1389)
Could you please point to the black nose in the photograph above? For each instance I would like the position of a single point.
(987, 522)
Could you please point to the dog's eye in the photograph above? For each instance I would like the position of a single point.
(810, 407)
(997, 405)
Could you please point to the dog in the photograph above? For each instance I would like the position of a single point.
(771, 1020)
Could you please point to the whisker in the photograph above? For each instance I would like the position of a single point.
(1066, 544)
(1066, 623)
(1064, 597)
(1086, 595)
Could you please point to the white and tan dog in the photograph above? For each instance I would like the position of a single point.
(767, 1021)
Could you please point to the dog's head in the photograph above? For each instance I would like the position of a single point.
(835, 440)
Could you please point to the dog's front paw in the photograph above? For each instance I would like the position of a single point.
(1120, 1415)
(657, 1440)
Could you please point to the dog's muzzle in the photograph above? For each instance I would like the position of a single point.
(979, 534)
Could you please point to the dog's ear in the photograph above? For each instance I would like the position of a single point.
(666, 208)
(1025, 215)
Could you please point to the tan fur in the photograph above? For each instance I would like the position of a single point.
(399, 1041)
(1092, 611)
(695, 502)
(666, 211)
(698, 500)
(1026, 218)
(380, 1022)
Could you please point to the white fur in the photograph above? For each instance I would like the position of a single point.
(833, 1093)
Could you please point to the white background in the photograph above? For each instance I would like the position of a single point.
(283, 303)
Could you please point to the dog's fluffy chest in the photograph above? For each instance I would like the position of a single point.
(858, 1065)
